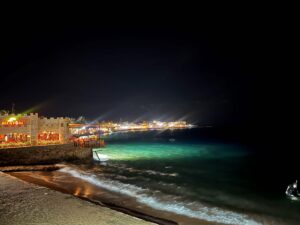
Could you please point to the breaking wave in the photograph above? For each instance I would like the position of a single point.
(170, 204)
(149, 172)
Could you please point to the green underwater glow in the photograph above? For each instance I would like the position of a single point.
(164, 151)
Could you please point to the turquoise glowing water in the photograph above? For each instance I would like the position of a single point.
(207, 180)
(169, 151)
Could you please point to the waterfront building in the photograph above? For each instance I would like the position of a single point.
(30, 129)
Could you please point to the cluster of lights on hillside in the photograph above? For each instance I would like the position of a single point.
(144, 125)
(110, 127)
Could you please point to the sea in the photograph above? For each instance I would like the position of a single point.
(190, 176)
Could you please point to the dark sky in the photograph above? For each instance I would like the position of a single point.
(212, 71)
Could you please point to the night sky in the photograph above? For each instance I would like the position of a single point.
(214, 71)
(237, 72)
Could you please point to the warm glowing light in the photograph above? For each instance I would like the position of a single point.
(11, 119)
(109, 127)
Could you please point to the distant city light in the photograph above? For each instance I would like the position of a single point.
(11, 119)
(110, 127)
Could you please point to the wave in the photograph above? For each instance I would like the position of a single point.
(204, 213)
(150, 172)
(142, 195)
(127, 189)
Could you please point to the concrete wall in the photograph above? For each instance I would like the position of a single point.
(44, 154)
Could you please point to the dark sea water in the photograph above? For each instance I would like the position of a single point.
(196, 175)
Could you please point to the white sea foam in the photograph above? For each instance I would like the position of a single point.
(191, 209)
(204, 213)
(150, 172)
(111, 185)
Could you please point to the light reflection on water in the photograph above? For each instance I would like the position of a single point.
(199, 180)
(138, 151)
(196, 172)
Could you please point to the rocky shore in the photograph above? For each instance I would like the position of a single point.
(43, 155)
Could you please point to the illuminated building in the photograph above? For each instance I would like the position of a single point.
(109, 127)
(30, 129)
(82, 129)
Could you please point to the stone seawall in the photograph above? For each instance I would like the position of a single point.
(43, 154)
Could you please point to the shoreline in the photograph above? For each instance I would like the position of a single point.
(145, 218)
(105, 198)
(62, 182)
(46, 179)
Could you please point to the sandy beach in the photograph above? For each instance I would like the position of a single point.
(29, 204)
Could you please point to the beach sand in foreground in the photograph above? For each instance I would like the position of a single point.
(29, 204)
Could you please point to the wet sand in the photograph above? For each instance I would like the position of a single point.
(61, 182)
(25, 203)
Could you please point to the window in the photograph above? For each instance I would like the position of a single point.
(62, 124)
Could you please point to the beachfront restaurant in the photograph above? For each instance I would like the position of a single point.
(30, 129)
